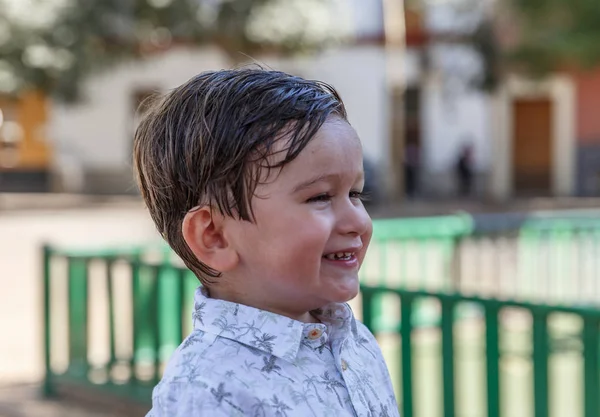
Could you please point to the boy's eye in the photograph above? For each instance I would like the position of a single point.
(359, 195)
(319, 198)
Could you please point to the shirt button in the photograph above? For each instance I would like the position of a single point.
(314, 334)
(344, 365)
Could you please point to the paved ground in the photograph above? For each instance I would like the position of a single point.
(23, 400)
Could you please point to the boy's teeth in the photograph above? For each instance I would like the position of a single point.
(339, 255)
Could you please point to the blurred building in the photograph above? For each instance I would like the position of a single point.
(444, 110)
(94, 138)
(91, 142)
(529, 138)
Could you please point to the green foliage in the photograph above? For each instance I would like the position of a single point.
(557, 33)
(52, 45)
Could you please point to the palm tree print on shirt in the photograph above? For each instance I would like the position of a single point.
(331, 385)
(271, 366)
(265, 342)
(280, 407)
(223, 397)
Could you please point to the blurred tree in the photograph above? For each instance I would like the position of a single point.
(532, 36)
(556, 34)
(471, 24)
(51, 45)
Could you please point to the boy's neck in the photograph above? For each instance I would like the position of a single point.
(217, 294)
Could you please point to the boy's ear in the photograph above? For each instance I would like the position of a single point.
(202, 230)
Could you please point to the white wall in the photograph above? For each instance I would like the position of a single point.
(98, 132)
(366, 17)
(358, 73)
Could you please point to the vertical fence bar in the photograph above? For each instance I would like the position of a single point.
(492, 359)
(146, 319)
(155, 314)
(456, 263)
(549, 237)
(540, 363)
(383, 269)
(170, 311)
(46, 258)
(78, 316)
(367, 309)
(596, 264)
(448, 356)
(135, 290)
(111, 312)
(565, 239)
(522, 286)
(191, 285)
(422, 256)
(180, 305)
(406, 306)
(590, 367)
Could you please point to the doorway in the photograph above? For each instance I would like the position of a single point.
(532, 146)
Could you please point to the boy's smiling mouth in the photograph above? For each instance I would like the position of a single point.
(345, 257)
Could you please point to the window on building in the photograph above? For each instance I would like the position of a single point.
(11, 134)
(412, 140)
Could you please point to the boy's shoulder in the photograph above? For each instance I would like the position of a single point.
(195, 378)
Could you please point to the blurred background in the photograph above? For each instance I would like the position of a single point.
(482, 151)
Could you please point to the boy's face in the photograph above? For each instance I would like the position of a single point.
(311, 230)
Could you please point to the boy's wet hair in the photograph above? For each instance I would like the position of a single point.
(211, 140)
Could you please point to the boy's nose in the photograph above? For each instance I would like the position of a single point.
(354, 220)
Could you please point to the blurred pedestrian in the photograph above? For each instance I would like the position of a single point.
(411, 169)
(465, 171)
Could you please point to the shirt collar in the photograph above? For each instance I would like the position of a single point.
(269, 332)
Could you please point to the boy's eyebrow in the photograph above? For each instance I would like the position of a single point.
(321, 178)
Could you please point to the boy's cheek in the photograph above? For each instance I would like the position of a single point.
(366, 240)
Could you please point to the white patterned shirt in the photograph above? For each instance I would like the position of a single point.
(242, 361)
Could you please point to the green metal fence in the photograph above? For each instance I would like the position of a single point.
(113, 318)
(544, 257)
(579, 332)
(118, 340)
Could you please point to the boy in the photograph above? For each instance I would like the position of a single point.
(254, 178)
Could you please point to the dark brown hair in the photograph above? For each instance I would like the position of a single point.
(209, 141)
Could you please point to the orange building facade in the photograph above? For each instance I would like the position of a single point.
(588, 132)
(25, 153)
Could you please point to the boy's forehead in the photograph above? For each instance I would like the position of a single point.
(329, 153)
(333, 128)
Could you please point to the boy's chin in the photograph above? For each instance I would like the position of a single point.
(346, 294)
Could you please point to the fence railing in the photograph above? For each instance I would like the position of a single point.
(555, 344)
(544, 257)
(112, 319)
(119, 339)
